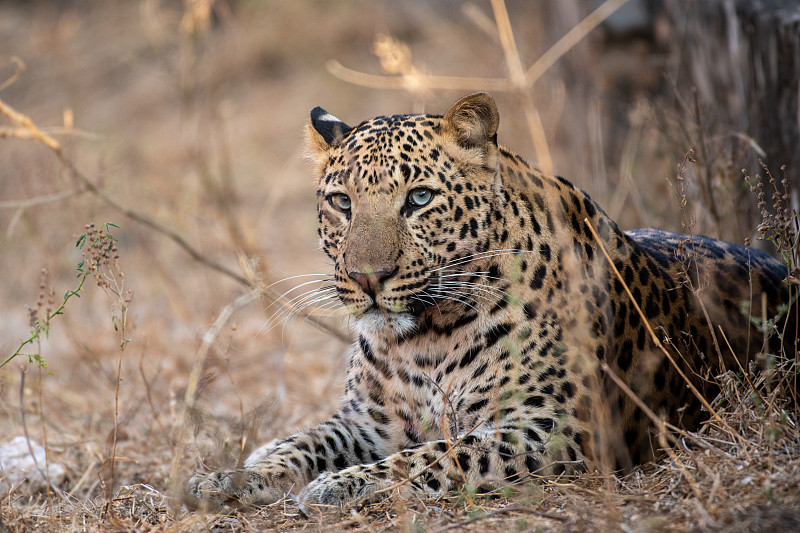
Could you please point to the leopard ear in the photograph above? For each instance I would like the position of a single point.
(473, 120)
(325, 130)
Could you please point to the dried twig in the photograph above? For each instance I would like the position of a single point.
(46, 472)
(208, 340)
(39, 200)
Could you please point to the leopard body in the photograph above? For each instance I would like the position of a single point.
(489, 321)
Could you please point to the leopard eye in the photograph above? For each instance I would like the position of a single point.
(419, 197)
(341, 202)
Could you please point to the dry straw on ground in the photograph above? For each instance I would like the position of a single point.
(180, 123)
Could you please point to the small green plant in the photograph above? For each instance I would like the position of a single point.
(100, 252)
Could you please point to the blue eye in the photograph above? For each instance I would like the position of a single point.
(419, 197)
(341, 202)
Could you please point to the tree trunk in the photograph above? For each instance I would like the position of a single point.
(743, 58)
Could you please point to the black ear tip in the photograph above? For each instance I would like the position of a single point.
(316, 113)
(329, 127)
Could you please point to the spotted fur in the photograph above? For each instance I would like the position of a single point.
(484, 309)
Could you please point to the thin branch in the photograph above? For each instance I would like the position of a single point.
(433, 463)
(509, 44)
(39, 200)
(19, 68)
(20, 133)
(208, 340)
(519, 81)
(193, 386)
(420, 81)
(44, 473)
(570, 39)
(521, 86)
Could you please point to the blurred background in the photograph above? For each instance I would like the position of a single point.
(192, 114)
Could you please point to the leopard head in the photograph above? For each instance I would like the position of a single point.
(405, 203)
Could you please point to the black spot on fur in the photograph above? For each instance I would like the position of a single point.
(495, 333)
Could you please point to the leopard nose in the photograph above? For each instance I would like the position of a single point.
(371, 280)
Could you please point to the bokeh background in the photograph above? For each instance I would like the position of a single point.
(192, 115)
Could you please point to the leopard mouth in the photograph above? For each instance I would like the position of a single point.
(386, 309)
(415, 307)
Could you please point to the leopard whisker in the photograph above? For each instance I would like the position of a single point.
(298, 302)
(452, 298)
(463, 294)
(321, 302)
(287, 318)
(482, 255)
(464, 273)
(326, 310)
(467, 299)
(286, 293)
(319, 298)
(488, 289)
(432, 299)
(325, 277)
(444, 292)
(465, 283)
(467, 273)
(322, 318)
(428, 298)
(316, 303)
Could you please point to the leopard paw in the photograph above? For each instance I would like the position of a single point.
(212, 491)
(342, 488)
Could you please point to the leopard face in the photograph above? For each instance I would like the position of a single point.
(405, 204)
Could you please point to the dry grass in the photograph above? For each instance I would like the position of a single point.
(182, 124)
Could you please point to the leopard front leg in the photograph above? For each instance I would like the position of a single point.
(288, 465)
(438, 468)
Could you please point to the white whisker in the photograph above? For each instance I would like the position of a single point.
(464, 301)
(324, 276)
(282, 296)
(308, 303)
(473, 284)
(494, 291)
(466, 273)
(482, 255)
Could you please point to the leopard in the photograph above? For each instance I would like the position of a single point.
(506, 330)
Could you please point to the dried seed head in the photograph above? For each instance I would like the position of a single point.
(33, 317)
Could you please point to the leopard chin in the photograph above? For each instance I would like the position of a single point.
(376, 321)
